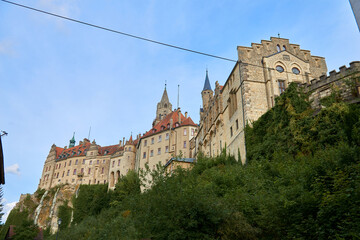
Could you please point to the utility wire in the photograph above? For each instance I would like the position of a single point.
(118, 32)
(141, 38)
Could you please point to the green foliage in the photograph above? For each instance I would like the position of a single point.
(127, 185)
(90, 201)
(301, 181)
(15, 218)
(39, 193)
(26, 230)
(65, 215)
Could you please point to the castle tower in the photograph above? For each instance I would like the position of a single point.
(206, 93)
(163, 107)
(72, 141)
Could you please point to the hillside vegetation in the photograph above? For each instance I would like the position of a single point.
(301, 180)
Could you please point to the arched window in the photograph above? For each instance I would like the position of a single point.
(278, 48)
(295, 71)
(279, 68)
(165, 105)
(284, 48)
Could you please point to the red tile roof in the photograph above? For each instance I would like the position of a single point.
(163, 124)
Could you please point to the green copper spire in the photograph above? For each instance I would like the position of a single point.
(72, 141)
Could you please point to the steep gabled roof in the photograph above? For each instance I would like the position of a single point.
(164, 124)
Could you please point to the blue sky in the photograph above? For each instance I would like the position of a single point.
(59, 77)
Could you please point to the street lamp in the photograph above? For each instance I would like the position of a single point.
(59, 223)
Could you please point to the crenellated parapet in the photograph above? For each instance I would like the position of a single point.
(346, 81)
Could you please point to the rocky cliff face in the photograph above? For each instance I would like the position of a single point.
(43, 205)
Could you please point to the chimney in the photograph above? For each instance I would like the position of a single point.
(185, 114)
(120, 142)
(179, 117)
(171, 123)
(123, 141)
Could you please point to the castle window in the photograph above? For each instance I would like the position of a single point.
(65, 164)
(113, 163)
(185, 132)
(76, 162)
(144, 155)
(63, 174)
(145, 143)
(129, 148)
(103, 160)
(68, 172)
(89, 171)
(102, 170)
(104, 181)
(46, 169)
(184, 144)
(57, 175)
(279, 68)
(159, 138)
(159, 151)
(295, 71)
(151, 153)
(192, 132)
(167, 149)
(284, 48)
(90, 163)
(59, 165)
(237, 124)
(74, 173)
(83, 161)
(98, 161)
(167, 136)
(152, 140)
(281, 86)
(82, 170)
(231, 131)
(118, 162)
(278, 48)
(165, 105)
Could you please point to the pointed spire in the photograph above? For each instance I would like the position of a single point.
(165, 97)
(207, 82)
(72, 141)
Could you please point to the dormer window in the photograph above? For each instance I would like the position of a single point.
(168, 125)
(154, 130)
(106, 152)
(162, 127)
(278, 48)
(177, 124)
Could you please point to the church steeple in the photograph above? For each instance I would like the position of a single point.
(163, 107)
(72, 141)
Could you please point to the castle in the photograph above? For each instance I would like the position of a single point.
(90, 163)
(262, 73)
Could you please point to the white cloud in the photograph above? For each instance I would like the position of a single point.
(7, 209)
(13, 169)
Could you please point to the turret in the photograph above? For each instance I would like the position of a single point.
(72, 141)
(206, 93)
